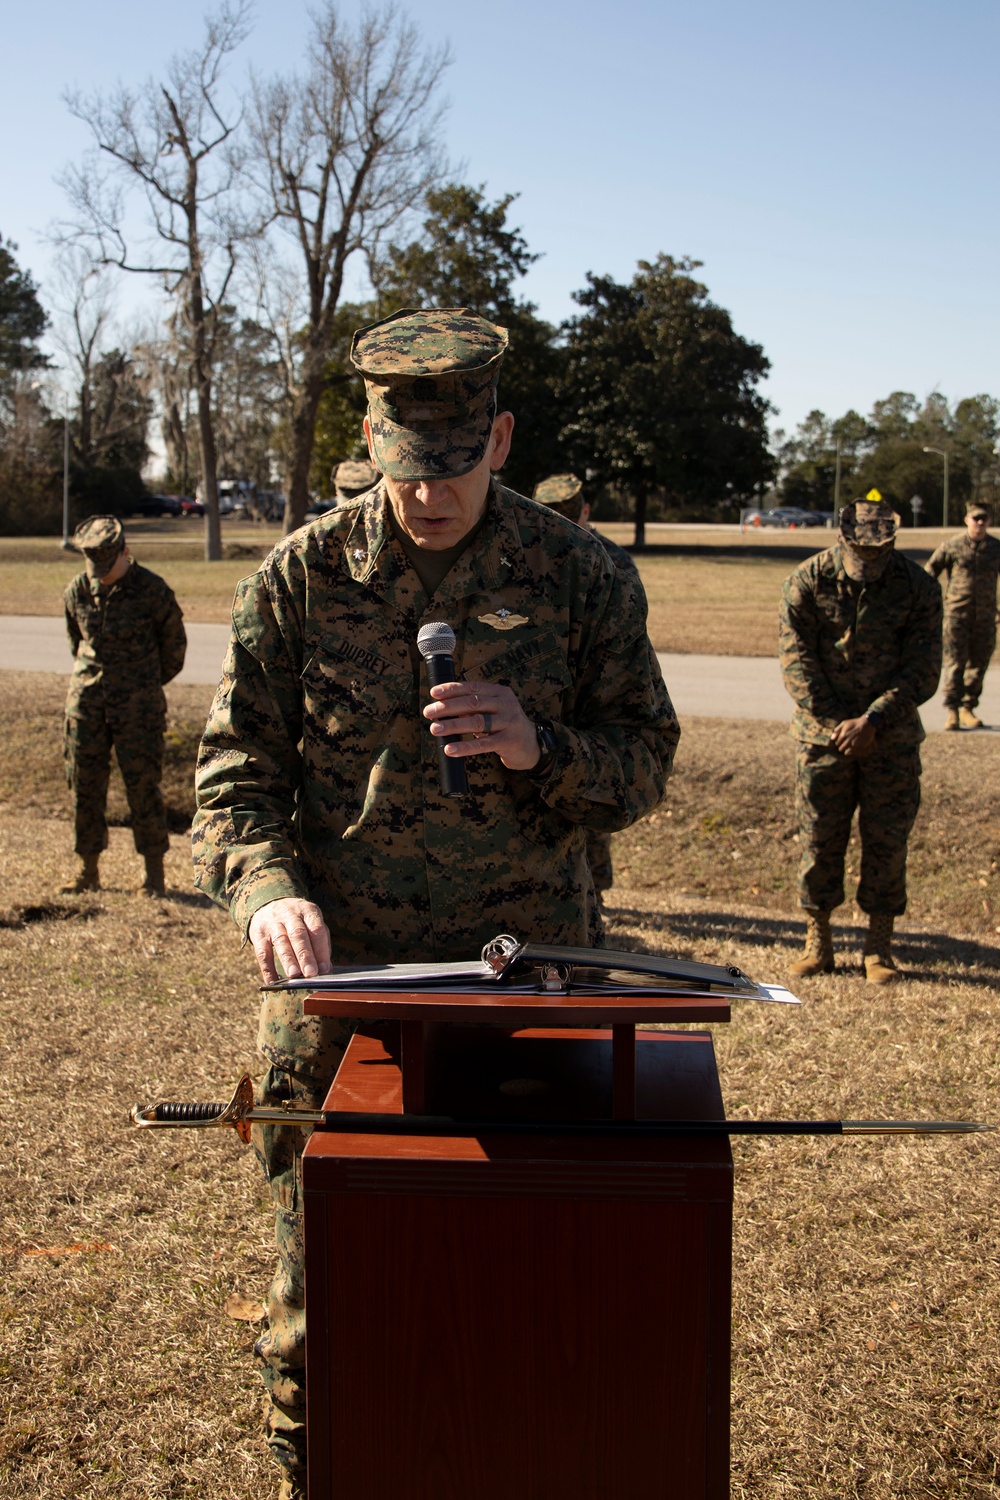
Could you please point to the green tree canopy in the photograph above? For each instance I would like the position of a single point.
(888, 450)
(468, 256)
(663, 393)
(23, 320)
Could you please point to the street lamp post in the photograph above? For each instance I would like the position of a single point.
(66, 544)
(943, 453)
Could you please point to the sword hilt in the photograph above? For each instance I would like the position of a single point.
(183, 1114)
(234, 1113)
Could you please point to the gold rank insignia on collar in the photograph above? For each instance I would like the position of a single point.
(503, 620)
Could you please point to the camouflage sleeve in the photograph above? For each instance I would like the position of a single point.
(920, 657)
(611, 767)
(940, 560)
(798, 650)
(72, 628)
(172, 636)
(249, 765)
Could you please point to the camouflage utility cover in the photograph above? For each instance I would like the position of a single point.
(431, 380)
(318, 777)
(972, 568)
(127, 641)
(100, 539)
(353, 477)
(847, 648)
(557, 489)
(868, 523)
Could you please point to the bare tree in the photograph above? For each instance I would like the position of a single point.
(85, 302)
(167, 357)
(337, 156)
(172, 141)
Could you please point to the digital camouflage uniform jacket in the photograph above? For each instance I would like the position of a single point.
(618, 555)
(847, 648)
(318, 777)
(127, 641)
(972, 569)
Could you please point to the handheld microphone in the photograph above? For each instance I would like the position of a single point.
(436, 642)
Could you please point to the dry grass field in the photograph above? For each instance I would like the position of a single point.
(721, 599)
(867, 1272)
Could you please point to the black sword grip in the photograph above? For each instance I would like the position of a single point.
(174, 1112)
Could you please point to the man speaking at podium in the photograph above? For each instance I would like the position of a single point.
(322, 824)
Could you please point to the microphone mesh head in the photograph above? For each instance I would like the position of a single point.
(436, 639)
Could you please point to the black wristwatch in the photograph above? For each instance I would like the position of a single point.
(547, 745)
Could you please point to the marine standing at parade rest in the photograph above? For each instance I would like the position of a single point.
(860, 646)
(321, 821)
(972, 564)
(564, 493)
(127, 637)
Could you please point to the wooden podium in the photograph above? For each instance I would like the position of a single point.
(530, 1315)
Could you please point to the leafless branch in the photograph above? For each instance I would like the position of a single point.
(335, 158)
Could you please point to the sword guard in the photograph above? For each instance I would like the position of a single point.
(234, 1113)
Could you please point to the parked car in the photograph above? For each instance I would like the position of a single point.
(788, 516)
(764, 518)
(798, 517)
(155, 505)
(191, 507)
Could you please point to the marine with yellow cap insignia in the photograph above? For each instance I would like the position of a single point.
(860, 648)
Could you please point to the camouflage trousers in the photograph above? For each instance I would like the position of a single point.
(968, 646)
(599, 859)
(138, 747)
(282, 1348)
(884, 787)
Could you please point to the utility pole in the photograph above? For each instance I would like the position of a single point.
(836, 487)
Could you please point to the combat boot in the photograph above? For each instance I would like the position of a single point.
(88, 878)
(968, 719)
(879, 967)
(951, 718)
(153, 885)
(818, 955)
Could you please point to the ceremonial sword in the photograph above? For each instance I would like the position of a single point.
(241, 1112)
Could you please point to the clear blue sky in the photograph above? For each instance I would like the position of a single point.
(835, 167)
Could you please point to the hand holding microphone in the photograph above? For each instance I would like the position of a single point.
(486, 710)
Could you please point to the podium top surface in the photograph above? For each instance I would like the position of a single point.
(512, 1009)
(676, 1079)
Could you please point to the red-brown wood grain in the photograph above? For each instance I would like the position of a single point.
(528, 1317)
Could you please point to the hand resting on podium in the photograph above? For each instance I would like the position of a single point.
(293, 932)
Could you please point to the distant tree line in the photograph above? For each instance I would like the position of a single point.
(899, 449)
(246, 206)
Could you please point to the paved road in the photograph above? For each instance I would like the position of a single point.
(714, 687)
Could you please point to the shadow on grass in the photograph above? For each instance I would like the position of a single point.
(922, 953)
